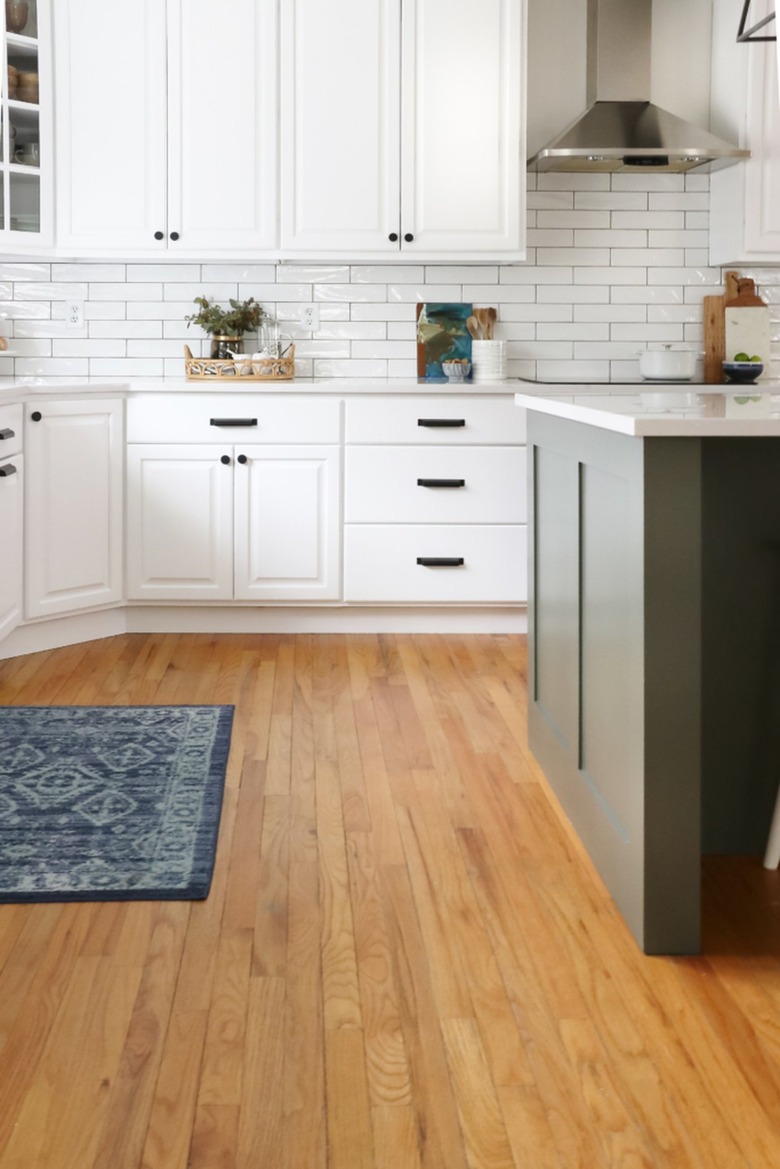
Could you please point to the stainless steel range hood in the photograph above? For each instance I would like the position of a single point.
(622, 130)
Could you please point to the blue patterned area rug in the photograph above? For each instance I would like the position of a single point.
(110, 803)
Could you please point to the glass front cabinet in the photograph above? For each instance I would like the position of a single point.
(25, 133)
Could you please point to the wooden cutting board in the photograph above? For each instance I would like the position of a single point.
(735, 322)
(748, 326)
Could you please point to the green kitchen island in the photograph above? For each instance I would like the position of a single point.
(654, 632)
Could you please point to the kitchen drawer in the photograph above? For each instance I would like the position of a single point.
(457, 419)
(381, 563)
(257, 418)
(425, 485)
(10, 420)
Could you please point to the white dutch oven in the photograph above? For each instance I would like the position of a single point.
(668, 364)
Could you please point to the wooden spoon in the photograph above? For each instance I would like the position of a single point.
(482, 321)
(472, 324)
(492, 318)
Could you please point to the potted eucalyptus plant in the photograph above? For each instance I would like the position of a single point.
(226, 326)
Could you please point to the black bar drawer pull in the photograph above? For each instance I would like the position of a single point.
(6, 470)
(440, 561)
(441, 482)
(7, 433)
(233, 422)
(441, 421)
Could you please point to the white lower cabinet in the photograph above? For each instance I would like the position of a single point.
(11, 516)
(236, 519)
(73, 531)
(435, 501)
(218, 522)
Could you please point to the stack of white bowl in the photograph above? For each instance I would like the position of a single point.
(488, 361)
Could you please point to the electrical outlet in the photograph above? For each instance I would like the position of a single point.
(310, 316)
(74, 314)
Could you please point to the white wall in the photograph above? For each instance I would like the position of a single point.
(614, 265)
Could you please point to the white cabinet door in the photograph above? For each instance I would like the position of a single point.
(287, 523)
(179, 522)
(340, 125)
(166, 135)
(403, 128)
(744, 203)
(110, 81)
(463, 157)
(11, 480)
(74, 505)
(222, 110)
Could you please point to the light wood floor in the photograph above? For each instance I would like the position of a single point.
(405, 962)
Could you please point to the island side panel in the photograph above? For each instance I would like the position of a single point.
(741, 650)
(611, 763)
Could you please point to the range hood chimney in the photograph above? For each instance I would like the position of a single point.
(622, 130)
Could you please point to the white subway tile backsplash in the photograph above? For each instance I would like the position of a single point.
(613, 200)
(412, 293)
(685, 238)
(388, 274)
(22, 271)
(613, 264)
(575, 257)
(166, 273)
(240, 273)
(648, 257)
(609, 276)
(651, 294)
(110, 291)
(90, 272)
(679, 201)
(46, 290)
(306, 274)
(87, 347)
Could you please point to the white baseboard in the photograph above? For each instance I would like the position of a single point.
(56, 632)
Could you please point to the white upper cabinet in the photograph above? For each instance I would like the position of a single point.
(745, 199)
(402, 130)
(166, 126)
(26, 148)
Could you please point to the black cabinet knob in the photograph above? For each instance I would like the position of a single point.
(408, 237)
(242, 459)
(36, 416)
(174, 235)
(226, 460)
(159, 235)
(393, 237)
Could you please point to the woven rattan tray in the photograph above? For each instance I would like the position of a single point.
(263, 369)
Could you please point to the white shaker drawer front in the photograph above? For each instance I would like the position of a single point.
(233, 418)
(424, 485)
(426, 563)
(445, 419)
(10, 430)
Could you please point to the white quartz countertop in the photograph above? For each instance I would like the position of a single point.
(667, 410)
(13, 389)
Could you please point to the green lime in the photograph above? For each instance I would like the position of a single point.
(754, 359)
(742, 357)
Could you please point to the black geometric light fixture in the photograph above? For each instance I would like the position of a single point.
(745, 34)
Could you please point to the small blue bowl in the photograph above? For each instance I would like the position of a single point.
(743, 371)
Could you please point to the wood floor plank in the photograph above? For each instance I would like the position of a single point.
(406, 960)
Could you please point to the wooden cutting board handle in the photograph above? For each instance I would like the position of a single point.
(744, 295)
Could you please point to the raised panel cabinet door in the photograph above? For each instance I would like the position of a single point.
(110, 123)
(73, 505)
(287, 534)
(11, 481)
(463, 126)
(340, 126)
(179, 522)
(222, 115)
